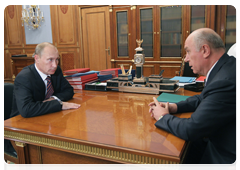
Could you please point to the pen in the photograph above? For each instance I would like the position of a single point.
(161, 72)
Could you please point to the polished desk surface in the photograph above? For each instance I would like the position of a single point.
(107, 119)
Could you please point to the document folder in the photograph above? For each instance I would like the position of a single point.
(171, 98)
(184, 79)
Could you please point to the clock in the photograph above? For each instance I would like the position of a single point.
(138, 59)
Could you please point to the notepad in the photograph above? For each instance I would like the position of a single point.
(171, 98)
(184, 79)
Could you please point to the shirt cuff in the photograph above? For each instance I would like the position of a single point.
(56, 98)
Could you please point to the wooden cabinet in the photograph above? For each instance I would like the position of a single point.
(226, 24)
(163, 29)
(198, 18)
(230, 34)
(123, 33)
(145, 25)
(171, 21)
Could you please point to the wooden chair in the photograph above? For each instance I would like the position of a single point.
(185, 70)
(10, 153)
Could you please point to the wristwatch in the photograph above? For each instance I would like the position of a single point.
(160, 118)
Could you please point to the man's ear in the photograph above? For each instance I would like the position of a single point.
(36, 57)
(206, 51)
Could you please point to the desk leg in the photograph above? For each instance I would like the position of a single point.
(21, 152)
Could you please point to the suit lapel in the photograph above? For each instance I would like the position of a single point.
(40, 86)
(54, 79)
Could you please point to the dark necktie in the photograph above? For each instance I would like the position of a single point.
(50, 90)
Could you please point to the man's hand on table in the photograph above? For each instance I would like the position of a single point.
(158, 109)
(67, 105)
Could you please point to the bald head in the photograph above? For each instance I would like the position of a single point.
(203, 48)
(207, 36)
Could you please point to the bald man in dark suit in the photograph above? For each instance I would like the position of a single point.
(212, 126)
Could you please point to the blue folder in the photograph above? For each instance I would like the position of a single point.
(82, 74)
(104, 77)
(184, 79)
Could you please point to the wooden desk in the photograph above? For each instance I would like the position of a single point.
(109, 127)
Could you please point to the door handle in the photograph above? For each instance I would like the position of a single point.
(108, 49)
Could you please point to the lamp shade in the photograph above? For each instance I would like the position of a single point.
(233, 51)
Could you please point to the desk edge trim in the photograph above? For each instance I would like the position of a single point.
(92, 151)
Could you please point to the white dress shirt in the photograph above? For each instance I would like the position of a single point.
(44, 76)
(210, 72)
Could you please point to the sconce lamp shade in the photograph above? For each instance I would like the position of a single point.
(233, 51)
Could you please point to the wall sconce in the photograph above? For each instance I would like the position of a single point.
(32, 16)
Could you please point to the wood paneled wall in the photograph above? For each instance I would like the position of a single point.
(67, 36)
(65, 24)
(13, 37)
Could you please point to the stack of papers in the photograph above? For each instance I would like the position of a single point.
(184, 80)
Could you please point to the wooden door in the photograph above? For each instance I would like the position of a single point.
(96, 38)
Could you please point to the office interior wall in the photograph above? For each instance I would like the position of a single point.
(44, 33)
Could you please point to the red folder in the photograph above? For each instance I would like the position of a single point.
(201, 79)
(82, 78)
(112, 71)
(81, 86)
(82, 82)
(78, 86)
(77, 70)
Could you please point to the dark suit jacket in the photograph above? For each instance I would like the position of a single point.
(214, 115)
(29, 92)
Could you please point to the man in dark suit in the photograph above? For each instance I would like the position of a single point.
(34, 94)
(212, 126)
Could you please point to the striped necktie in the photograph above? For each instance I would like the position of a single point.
(50, 90)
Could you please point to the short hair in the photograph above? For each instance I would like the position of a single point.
(40, 47)
(210, 38)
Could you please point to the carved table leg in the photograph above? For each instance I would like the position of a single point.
(22, 152)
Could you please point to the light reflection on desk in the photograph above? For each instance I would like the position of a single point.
(113, 119)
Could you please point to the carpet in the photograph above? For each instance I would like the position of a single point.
(12, 166)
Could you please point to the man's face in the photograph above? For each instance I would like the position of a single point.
(48, 61)
(193, 57)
